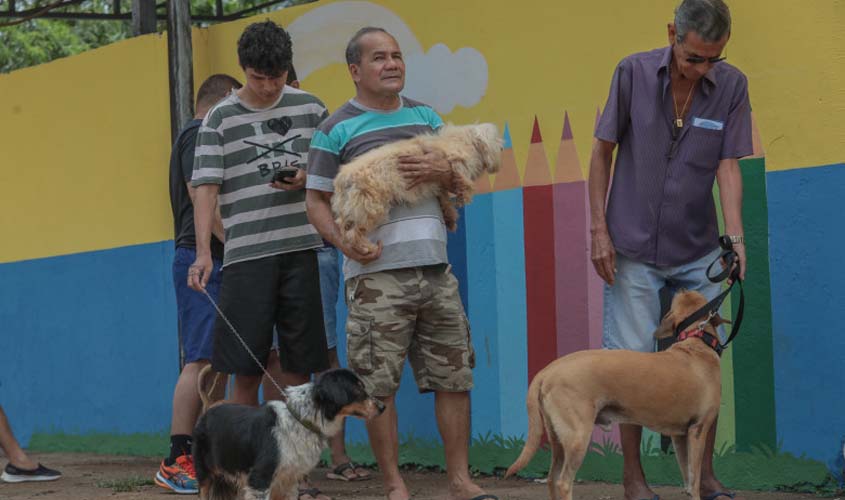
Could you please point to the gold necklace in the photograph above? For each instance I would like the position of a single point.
(679, 117)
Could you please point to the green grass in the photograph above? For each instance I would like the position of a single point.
(127, 484)
(759, 469)
(141, 444)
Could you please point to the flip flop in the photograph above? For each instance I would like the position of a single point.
(718, 494)
(311, 492)
(337, 473)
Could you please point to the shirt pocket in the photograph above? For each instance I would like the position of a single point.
(705, 148)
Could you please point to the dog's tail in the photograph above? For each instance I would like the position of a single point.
(205, 389)
(535, 427)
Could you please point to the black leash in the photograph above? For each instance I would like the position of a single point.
(311, 426)
(731, 270)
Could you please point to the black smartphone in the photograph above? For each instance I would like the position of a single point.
(285, 174)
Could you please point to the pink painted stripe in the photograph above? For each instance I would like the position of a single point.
(571, 268)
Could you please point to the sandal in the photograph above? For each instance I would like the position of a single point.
(309, 492)
(338, 473)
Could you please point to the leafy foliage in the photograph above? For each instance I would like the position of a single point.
(42, 40)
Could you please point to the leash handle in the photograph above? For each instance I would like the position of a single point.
(243, 343)
(731, 270)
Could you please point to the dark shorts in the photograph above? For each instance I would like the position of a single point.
(256, 295)
(196, 314)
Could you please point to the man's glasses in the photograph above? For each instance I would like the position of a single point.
(694, 59)
(702, 60)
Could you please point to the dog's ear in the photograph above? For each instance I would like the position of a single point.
(666, 327)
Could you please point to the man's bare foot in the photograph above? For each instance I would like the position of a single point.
(464, 490)
(709, 488)
(398, 493)
(638, 491)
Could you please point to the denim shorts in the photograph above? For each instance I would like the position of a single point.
(196, 314)
(327, 259)
(632, 304)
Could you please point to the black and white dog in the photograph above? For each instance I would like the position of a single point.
(266, 450)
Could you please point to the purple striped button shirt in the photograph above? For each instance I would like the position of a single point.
(661, 209)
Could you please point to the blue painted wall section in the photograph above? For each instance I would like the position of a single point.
(482, 314)
(512, 309)
(806, 245)
(101, 346)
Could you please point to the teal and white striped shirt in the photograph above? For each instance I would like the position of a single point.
(413, 235)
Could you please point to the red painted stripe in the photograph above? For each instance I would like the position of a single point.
(538, 217)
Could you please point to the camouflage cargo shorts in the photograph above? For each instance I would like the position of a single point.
(415, 313)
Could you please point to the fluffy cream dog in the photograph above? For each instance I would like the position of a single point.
(366, 187)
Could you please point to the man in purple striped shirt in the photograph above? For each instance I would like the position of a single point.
(681, 119)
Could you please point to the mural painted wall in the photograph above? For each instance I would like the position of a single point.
(87, 312)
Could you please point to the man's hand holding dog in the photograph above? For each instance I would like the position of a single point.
(362, 258)
(431, 166)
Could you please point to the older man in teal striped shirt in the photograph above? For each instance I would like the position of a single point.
(403, 299)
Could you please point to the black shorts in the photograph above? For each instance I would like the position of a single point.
(281, 291)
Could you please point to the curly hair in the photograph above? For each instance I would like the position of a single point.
(266, 48)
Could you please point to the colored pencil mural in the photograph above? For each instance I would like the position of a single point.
(521, 251)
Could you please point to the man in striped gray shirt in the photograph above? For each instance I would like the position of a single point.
(403, 299)
(270, 273)
(681, 118)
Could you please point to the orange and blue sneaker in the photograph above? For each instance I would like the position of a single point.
(179, 477)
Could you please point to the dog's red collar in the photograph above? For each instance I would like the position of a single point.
(698, 331)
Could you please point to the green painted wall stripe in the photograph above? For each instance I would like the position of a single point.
(752, 349)
(726, 432)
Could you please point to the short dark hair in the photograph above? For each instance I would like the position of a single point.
(266, 48)
(216, 87)
(291, 75)
(353, 48)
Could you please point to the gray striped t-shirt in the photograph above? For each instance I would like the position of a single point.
(413, 235)
(240, 148)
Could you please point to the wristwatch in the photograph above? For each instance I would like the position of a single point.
(736, 239)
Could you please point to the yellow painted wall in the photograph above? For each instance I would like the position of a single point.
(84, 141)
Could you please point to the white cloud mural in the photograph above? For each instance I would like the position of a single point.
(441, 78)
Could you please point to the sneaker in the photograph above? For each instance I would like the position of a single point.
(12, 474)
(179, 477)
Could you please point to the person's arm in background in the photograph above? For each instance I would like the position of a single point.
(206, 180)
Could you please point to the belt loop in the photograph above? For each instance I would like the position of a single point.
(448, 268)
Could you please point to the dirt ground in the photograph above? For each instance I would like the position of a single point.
(97, 477)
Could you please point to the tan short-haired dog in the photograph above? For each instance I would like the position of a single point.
(675, 392)
(366, 187)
